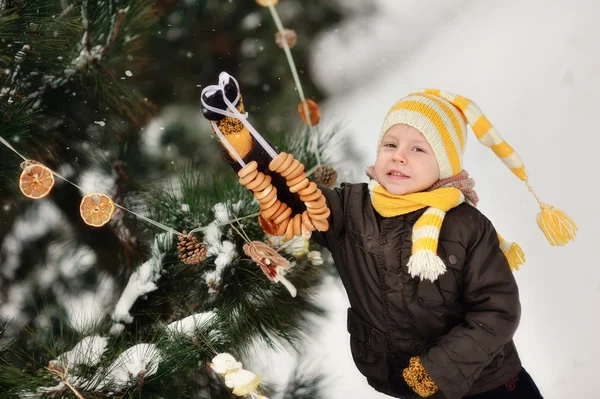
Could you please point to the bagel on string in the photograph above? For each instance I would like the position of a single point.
(223, 106)
(276, 217)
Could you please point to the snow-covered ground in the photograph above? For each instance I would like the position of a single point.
(534, 69)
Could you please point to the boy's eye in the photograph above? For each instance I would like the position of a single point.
(418, 149)
(390, 145)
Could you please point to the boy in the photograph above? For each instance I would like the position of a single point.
(434, 304)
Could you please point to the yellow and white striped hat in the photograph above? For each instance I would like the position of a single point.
(442, 117)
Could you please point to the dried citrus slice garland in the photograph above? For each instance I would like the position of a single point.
(96, 209)
(36, 181)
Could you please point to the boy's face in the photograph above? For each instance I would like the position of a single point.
(405, 161)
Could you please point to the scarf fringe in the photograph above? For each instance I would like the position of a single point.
(426, 264)
(514, 254)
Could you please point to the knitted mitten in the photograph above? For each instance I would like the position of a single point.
(417, 378)
(234, 131)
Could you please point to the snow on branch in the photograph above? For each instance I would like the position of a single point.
(141, 282)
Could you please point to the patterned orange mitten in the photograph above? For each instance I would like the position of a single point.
(417, 378)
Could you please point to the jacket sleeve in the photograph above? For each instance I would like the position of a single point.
(334, 197)
(491, 295)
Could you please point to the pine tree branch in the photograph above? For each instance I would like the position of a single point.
(63, 374)
(116, 30)
(67, 10)
(87, 39)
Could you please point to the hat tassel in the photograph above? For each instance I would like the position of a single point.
(558, 228)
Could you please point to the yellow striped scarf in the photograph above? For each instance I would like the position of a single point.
(424, 261)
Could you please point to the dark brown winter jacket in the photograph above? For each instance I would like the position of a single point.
(461, 325)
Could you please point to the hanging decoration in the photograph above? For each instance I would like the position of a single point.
(242, 382)
(36, 180)
(272, 209)
(191, 251)
(96, 209)
(325, 175)
(273, 265)
(290, 37)
(267, 3)
(313, 111)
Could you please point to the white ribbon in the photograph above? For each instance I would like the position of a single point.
(233, 113)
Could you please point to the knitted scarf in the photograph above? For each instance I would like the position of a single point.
(438, 199)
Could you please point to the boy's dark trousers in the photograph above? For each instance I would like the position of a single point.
(520, 387)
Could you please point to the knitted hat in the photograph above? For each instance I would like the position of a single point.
(442, 118)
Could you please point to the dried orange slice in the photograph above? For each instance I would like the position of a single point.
(96, 209)
(313, 110)
(36, 181)
(267, 3)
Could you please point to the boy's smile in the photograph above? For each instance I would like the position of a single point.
(406, 163)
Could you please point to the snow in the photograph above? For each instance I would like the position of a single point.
(226, 254)
(297, 246)
(315, 258)
(139, 360)
(251, 21)
(190, 324)
(41, 218)
(223, 250)
(154, 131)
(380, 40)
(141, 281)
(16, 299)
(76, 261)
(534, 69)
(97, 181)
(88, 352)
(63, 262)
(86, 309)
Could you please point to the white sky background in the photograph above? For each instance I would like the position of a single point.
(533, 67)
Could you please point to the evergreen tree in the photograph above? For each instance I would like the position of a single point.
(98, 92)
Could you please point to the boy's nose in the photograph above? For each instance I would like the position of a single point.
(399, 156)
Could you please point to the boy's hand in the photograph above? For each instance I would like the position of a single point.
(234, 130)
(417, 378)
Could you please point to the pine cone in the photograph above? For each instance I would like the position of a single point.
(290, 36)
(191, 252)
(325, 175)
